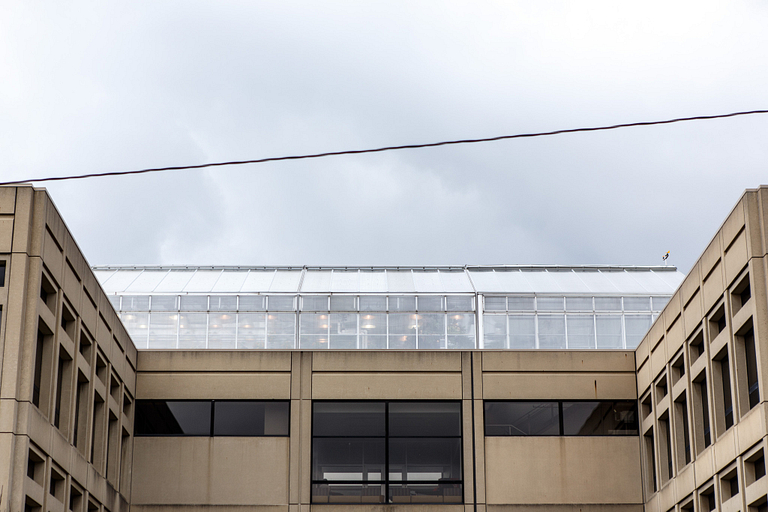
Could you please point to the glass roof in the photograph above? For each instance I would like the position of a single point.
(609, 280)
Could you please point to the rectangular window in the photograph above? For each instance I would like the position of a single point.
(749, 363)
(243, 418)
(665, 451)
(722, 385)
(552, 331)
(581, 331)
(386, 452)
(701, 413)
(568, 418)
(682, 432)
(600, 418)
(650, 461)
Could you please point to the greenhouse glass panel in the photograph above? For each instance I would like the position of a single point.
(313, 303)
(373, 281)
(637, 326)
(400, 281)
(252, 303)
(286, 281)
(637, 303)
(521, 304)
(427, 281)
(251, 330)
(147, 281)
(137, 326)
(373, 342)
(230, 281)
(581, 331)
(174, 281)
(222, 328)
(453, 281)
(495, 303)
(609, 331)
(345, 281)
(202, 281)
(313, 323)
(459, 323)
(402, 331)
(522, 331)
(120, 280)
(191, 303)
(162, 330)
(608, 303)
(461, 342)
(431, 324)
(495, 331)
(459, 303)
(192, 330)
(373, 303)
(316, 281)
(485, 281)
(402, 342)
(430, 303)
(280, 341)
(659, 303)
(281, 329)
(223, 303)
(343, 303)
(280, 303)
(578, 304)
(344, 330)
(373, 323)
(552, 331)
(258, 281)
(163, 303)
(549, 304)
(115, 301)
(402, 303)
(313, 342)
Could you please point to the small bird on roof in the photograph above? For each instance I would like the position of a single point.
(665, 256)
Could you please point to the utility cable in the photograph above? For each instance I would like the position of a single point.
(382, 149)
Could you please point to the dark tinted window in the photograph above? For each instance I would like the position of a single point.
(420, 460)
(599, 418)
(386, 452)
(522, 419)
(248, 418)
(349, 419)
(424, 419)
(338, 459)
(173, 418)
(193, 418)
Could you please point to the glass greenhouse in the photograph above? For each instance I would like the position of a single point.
(317, 308)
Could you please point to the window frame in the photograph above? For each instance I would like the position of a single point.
(211, 429)
(561, 417)
(386, 482)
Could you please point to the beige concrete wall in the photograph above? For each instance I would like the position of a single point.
(469, 376)
(668, 359)
(562, 470)
(39, 252)
(211, 471)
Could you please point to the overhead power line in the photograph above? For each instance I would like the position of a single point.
(382, 149)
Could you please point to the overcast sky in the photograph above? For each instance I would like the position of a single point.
(105, 86)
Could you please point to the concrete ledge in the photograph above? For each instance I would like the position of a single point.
(213, 360)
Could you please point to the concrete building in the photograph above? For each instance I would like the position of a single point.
(461, 392)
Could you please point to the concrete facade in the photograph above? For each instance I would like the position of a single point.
(71, 378)
(66, 431)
